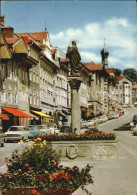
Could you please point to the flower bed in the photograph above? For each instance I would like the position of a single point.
(38, 167)
(88, 135)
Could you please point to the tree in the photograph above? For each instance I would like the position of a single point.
(131, 73)
(117, 72)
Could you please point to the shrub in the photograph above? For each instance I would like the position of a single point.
(39, 167)
(88, 135)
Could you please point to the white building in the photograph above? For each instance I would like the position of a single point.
(124, 90)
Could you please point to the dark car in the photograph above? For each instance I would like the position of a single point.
(135, 119)
(66, 127)
(2, 139)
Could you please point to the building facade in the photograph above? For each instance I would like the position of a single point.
(124, 90)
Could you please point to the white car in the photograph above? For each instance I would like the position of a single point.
(16, 133)
(48, 129)
(84, 124)
(91, 123)
(103, 118)
(115, 116)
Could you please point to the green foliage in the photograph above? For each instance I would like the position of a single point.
(38, 167)
(131, 73)
(117, 72)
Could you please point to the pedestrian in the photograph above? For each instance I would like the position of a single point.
(59, 124)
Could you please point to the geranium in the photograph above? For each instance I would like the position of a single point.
(87, 135)
(34, 191)
(38, 167)
(26, 165)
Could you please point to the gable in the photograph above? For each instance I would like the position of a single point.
(19, 47)
(4, 50)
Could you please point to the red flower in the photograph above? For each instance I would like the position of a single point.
(26, 165)
(33, 191)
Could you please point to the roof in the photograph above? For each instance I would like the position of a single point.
(11, 40)
(122, 77)
(110, 70)
(119, 78)
(93, 66)
(37, 36)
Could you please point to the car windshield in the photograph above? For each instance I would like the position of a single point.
(135, 117)
(32, 127)
(42, 127)
(16, 129)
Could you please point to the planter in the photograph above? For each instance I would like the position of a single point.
(28, 191)
(85, 150)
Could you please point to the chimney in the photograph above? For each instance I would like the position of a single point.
(2, 20)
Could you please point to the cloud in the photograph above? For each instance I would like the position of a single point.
(119, 36)
(118, 22)
(89, 56)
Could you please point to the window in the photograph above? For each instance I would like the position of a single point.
(3, 97)
(9, 98)
(14, 73)
(15, 99)
(9, 72)
(3, 71)
(34, 100)
(37, 101)
(30, 98)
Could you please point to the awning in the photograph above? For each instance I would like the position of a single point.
(42, 114)
(4, 116)
(31, 116)
(16, 112)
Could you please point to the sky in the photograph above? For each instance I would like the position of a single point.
(87, 22)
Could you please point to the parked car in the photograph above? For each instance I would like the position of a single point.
(135, 119)
(66, 127)
(33, 129)
(91, 123)
(54, 129)
(48, 129)
(2, 139)
(115, 116)
(103, 118)
(133, 123)
(84, 124)
(16, 133)
(109, 116)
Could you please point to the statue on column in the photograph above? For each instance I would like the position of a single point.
(74, 57)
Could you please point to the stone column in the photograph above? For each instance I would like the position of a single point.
(75, 103)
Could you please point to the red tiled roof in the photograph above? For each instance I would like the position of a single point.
(110, 70)
(93, 66)
(27, 40)
(53, 51)
(37, 36)
(119, 78)
(11, 40)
